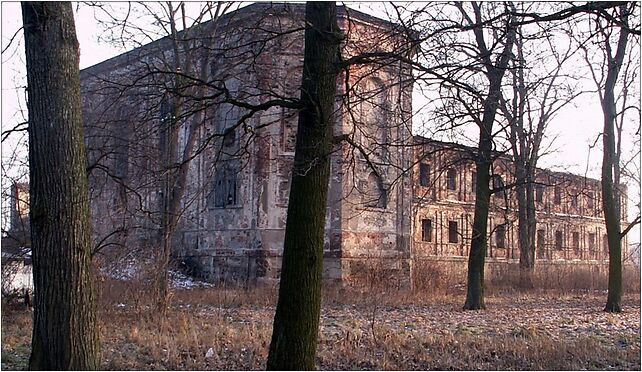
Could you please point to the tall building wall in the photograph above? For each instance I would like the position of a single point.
(233, 212)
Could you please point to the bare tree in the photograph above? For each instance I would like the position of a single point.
(65, 333)
(538, 91)
(613, 35)
(480, 40)
(178, 72)
(296, 322)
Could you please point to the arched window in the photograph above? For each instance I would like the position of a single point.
(370, 109)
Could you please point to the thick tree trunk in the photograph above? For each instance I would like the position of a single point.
(65, 335)
(296, 322)
(479, 242)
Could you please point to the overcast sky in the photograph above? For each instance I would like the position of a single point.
(575, 127)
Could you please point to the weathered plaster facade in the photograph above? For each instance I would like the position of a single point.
(570, 224)
(234, 209)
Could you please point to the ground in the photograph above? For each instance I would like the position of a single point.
(229, 329)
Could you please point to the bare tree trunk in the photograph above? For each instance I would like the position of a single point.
(65, 335)
(296, 322)
(526, 223)
(479, 241)
(176, 165)
(610, 194)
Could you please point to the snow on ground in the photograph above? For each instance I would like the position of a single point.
(129, 268)
(180, 280)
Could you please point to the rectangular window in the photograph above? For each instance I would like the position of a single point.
(574, 200)
(539, 193)
(452, 232)
(288, 129)
(426, 230)
(589, 200)
(474, 178)
(500, 236)
(424, 174)
(225, 187)
(559, 239)
(558, 195)
(591, 242)
(229, 137)
(452, 179)
(605, 244)
(541, 248)
(498, 184)
(576, 241)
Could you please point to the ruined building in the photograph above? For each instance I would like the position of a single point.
(395, 201)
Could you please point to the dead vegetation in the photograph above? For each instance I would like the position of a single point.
(373, 328)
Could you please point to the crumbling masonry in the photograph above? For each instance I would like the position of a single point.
(398, 204)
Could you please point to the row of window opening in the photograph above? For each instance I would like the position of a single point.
(500, 236)
(498, 183)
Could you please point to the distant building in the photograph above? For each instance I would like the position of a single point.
(16, 243)
(379, 214)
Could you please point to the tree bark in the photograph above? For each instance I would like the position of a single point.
(479, 242)
(296, 322)
(610, 194)
(65, 335)
(527, 223)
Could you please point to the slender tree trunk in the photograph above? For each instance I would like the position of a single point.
(526, 224)
(177, 169)
(65, 335)
(479, 242)
(611, 215)
(296, 322)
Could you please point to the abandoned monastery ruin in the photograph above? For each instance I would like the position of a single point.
(399, 204)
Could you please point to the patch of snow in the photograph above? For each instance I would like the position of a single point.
(180, 280)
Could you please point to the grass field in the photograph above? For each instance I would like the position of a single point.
(359, 330)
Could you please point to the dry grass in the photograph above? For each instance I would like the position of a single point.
(359, 330)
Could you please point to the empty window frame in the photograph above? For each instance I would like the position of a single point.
(591, 242)
(500, 236)
(575, 237)
(426, 230)
(374, 192)
(424, 174)
(453, 234)
(474, 182)
(498, 183)
(541, 245)
(229, 137)
(559, 239)
(539, 193)
(451, 179)
(225, 189)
